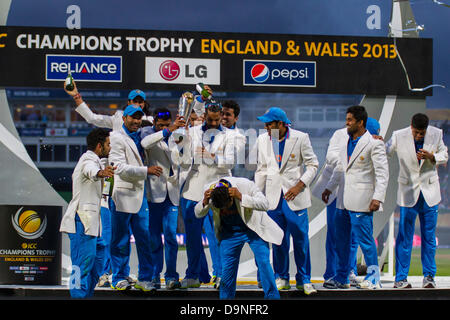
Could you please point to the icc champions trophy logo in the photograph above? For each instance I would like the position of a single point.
(28, 224)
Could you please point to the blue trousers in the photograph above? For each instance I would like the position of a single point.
(87, 254)
(230, 251)
(403, 244)
(164, 220)
(197, 265)
(361, 224)
(330, 246)
(122, 224)
(294, 223)
(208, 226)
(106, 235)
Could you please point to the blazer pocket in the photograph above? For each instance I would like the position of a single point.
(90, 207)
(124, 185)
(433, 179)
(362, 185)
(403, 180)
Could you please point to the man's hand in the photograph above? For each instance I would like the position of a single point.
(107, 172)
(206, 197)
(154, 170)
(377, 137)
(235, 193)
(74, 93)
(209, 91)
(326, 195)
(374, 205)
(201, 152)
(424, 154)
(294, 191)
(178, 123)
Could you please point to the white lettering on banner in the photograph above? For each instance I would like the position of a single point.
(103, 43)
(162, 45)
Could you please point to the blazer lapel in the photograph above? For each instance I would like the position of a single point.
(411, 148)
(132, 145)
(362, 143)
(289, 145)
(427, 142)
(217, 143)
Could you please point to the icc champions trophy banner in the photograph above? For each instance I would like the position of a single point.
(30, 244)
(241, 62)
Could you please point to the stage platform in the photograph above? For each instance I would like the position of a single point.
(246, 289)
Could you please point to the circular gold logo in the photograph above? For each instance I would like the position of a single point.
(29, 224)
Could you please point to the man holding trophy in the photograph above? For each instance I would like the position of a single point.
(163, 194)
(207, 155)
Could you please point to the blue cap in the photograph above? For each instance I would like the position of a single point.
(133, 94)
(274, 114)
(132, 109)
(373, 126)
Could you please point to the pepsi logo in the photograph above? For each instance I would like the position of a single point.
(279, 73)
(169, 70)
(260, 72)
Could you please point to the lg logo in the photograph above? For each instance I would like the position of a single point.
(170, 70)
(182, 70)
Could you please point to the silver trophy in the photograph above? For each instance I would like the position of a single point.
(185, 105)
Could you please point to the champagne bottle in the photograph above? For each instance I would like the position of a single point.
(69, 82)
(108, 185)
(201, 89)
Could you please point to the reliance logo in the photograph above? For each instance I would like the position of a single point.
(84, 68)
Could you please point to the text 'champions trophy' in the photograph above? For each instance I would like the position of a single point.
(185, 105)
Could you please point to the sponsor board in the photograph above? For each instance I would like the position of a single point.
(30, 244)
(56, 132)
(83, 68)
(182, 70)
(115, 59)
(279, 73)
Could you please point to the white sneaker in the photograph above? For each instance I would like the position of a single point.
(104, 280)
(282, 284)
(146, 286)
(217, 283)
(121, 285)
(307, 288)
(173, 284)
(354, 282)
(190, 283)
(366, 284)
(428, 282)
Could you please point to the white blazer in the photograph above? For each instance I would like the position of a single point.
(130, 175)
(364, 176)
(87, 193)
(202, 171)
(239, 141)
(157, 153)
(272, 179)
(113, 122)
(331, 160)
(414, 176)
(252, 210)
